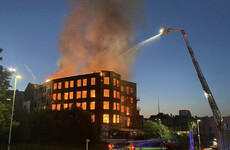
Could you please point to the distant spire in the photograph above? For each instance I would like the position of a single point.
(158, 106)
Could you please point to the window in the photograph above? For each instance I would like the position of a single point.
(84, 82)
(127, 90)
(70, 105)
(59, 107)
(114, 94)
(71, 84)
(92, 105)
(106, 80)
(92, 93)
(105, 118)
(54, 96)
(127, 111)
(118, 118)
(84, 94)
(84, 106)
(131, 90)
(70, 95)
(66, 96)
(65, 106)
(93, 81)
(53, 106)
(118, 106)
(78, 82)
(59, 96)
(122, 108)
(118, 95)
(127, 99)
(122, 99)
(78, 104)
(59, 85)
(114, 106)
(66, 84)
(118, 83)
(78, 94)
(114, 118)
(93, 118)
(114, 82)
(106, 92)
(106, 105)
(128, 121)
(55, 86)
(131, 100)
(122, 89)
(44, 107)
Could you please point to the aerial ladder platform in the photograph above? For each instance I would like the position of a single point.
(224, 138)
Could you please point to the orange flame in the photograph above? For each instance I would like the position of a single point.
(47, 80)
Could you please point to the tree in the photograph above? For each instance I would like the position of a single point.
(4, 118)
(67, 126)
(4, 80)
(5, 111)
(156, 130)
(1, 52)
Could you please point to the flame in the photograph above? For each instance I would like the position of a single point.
(47, 80)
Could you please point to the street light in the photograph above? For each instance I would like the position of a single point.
(12, 69)
(198, 134)
(12, 112)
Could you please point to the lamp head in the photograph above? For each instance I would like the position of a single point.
(18, 77)
(12, 69)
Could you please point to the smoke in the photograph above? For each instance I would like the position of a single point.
(95, 35)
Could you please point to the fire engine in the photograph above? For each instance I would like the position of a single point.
(126, 144)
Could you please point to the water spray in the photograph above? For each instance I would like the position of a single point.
(142, 43)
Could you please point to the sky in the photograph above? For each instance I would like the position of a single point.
(163, 70)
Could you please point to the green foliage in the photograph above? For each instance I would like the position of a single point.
(4, 118)
(156, 130)
(68, 126)
(4, 82)
(5, 115)
(137, 135)
(1, 52)
(182, 140)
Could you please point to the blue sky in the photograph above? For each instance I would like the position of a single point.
(29, 35)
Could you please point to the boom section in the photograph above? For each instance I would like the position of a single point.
(208, 94)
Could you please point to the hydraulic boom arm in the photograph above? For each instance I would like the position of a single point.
(208, 94)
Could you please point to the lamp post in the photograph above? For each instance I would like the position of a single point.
(198, 134)
(12, 112)
(87, 142)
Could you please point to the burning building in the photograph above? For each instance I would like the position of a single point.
(95, 36)
(111, 101)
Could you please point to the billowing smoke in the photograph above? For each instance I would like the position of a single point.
(95, 35)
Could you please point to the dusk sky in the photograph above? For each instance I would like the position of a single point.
(29, 32)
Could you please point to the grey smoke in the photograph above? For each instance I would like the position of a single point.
(95, 33)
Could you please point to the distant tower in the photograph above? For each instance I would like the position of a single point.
(158, 106)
